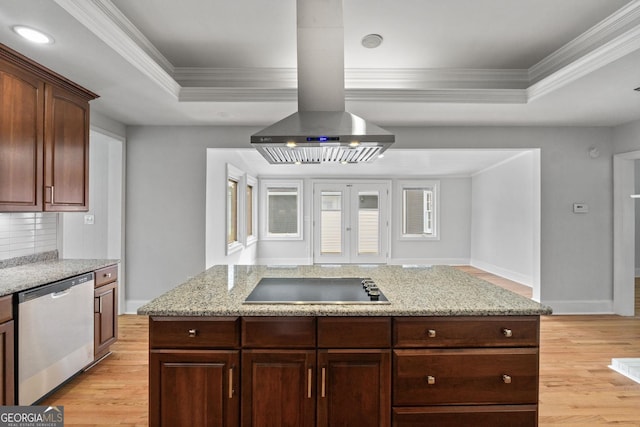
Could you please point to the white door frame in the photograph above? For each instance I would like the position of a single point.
(345, 186)
(624, 233)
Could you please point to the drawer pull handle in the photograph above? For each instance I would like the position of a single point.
(431, 333)
(506, 379)
(309, 379)
(507, 332)
(431, 380)
(193, 333)
(107, 275)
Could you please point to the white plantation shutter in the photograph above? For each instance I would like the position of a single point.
(418, 211)
(331, 223)
(368, 223)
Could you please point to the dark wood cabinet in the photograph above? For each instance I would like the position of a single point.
(278, 388)
(7, 361)
(354, 388)
(198, 388)
(44, 138)
(66, 151)
(105, 310)
(347, 371)
(21, 139)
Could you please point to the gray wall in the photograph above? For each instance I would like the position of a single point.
(506, 218)
(166, 170)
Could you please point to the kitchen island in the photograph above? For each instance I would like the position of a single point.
(448, 349)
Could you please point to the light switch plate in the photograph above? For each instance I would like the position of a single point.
(580, 208)
(89, 219)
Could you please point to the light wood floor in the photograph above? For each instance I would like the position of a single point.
(576, 386)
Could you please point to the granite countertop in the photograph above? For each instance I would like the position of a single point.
(32, 275)
(413, 291)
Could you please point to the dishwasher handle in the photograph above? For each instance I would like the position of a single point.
(56, 289)
(60, 294)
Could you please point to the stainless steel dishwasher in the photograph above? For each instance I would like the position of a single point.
(55, 335)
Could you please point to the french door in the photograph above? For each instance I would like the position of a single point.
(350, 222)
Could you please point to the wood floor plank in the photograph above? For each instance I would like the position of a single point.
(576, 386)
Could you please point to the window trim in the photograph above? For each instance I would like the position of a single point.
(434, 185)
(265, 186)
(237, 175)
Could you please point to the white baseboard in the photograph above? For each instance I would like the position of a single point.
(429, 261)
(284, 261)
(523, 279)
(581, 307)
(132, 306)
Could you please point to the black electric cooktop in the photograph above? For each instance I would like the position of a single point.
(291, 290)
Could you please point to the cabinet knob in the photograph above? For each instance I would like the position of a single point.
(431, 333)
(506, 379)
(193, 333)
(507, 332)
(431, 380)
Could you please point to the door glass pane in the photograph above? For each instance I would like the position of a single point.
(331, 222)
(368, 222)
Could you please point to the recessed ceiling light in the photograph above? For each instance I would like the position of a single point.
(32, 35)
(371, 41)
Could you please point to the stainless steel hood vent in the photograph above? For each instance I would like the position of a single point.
(321, 131)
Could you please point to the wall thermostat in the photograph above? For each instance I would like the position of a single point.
(580, 208)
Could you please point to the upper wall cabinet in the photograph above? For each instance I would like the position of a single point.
(44, 138)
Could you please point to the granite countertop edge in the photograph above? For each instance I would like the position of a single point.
(29, 276)
(438, 291)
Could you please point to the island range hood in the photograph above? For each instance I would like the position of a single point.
(321, 131)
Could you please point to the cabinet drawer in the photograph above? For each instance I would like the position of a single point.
(194, 332)
(278, 332)
(501, 331)
(354, 332)
(6, 308)
(454, 416)
(106, 275)
(466, 377)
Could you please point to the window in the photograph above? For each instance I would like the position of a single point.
(282, 212)
(251, 210)
(235, 209)
(419, 209)
(232, 211)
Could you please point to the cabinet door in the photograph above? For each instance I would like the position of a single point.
(66, 151)
(354, 388)
(21, 133)
(105, 318)
(193, 388)
(7, 366)
(278, 388)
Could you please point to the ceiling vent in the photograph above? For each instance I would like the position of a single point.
(321, 131)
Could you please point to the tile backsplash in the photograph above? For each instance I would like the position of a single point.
(23, 234)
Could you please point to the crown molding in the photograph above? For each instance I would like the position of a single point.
(474, 96)
(625, 19)
(588, 63)
(106, 21)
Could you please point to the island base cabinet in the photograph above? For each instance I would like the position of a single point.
(354, 388)
(194, 388)
(477, 416)
(278, 388)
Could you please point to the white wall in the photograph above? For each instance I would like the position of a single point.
(637, 211)
(166, 175)
(506, 206)
(216, 197)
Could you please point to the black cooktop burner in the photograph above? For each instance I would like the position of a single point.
(291, 290)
